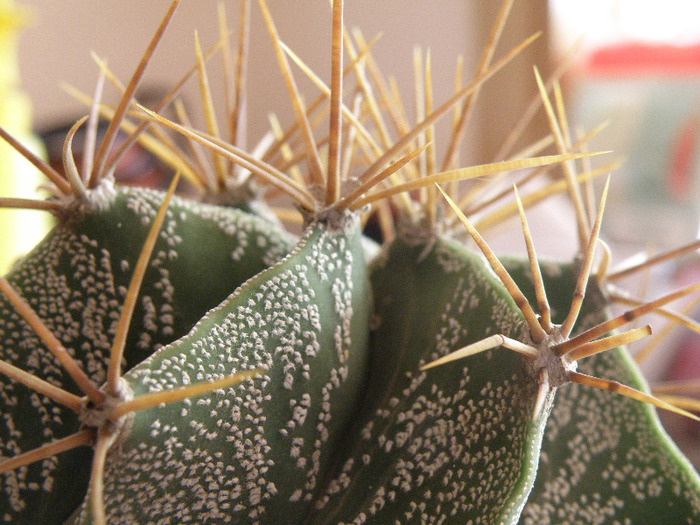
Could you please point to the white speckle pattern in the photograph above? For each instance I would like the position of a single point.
(448, 444)
(76, 280)
(605, 458)
(305, 323)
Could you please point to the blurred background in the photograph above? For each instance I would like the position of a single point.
(634, 63)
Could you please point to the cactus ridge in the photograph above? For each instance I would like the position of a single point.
(555, 355)
(417, 450)
(301, 323)
(76, 280)
(591, 435)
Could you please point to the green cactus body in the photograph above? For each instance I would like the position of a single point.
(76, 280)
(605, 457)
(343, 423)
(254, 453)
(454, 443)
(205, 252)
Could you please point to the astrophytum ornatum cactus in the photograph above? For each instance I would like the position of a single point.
(455, 443)
(312, 392)
(76, 281)
(605, 458)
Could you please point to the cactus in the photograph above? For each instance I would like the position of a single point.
(211, 372)
(312, 310)
(438, 445)
(76, 280)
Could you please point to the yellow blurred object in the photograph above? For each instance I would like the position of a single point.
(20, 230)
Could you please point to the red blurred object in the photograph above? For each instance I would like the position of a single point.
(644, 59)
(682, 158)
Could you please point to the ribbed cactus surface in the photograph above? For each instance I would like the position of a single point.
(76, 280)
(322, 379)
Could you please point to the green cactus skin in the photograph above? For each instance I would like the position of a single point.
(76, 280)
(454, 444)
(256, 452)
(605, 458)
(233, 245)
